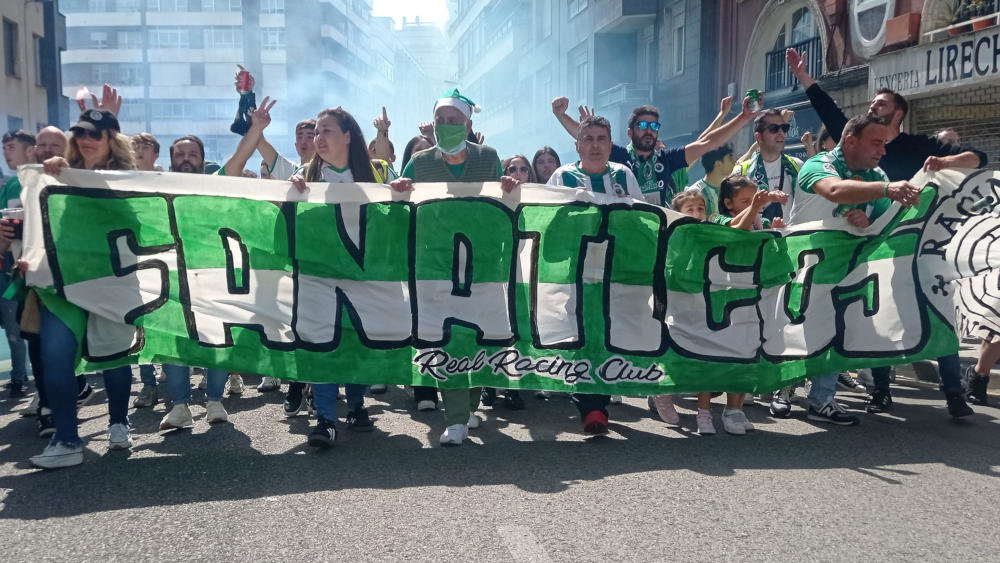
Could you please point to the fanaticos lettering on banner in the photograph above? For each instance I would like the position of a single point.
(544, 277)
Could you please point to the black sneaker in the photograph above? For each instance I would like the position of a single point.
(488, 396)
(84, 395)
(324, 434)
(293, 399)
(46, 427)
(878, 401)
(976, 386)
(359, 421)
(16, 391)
(848, 383)
(833, 413)
(781, 403)
(957, 407)
(513, 400)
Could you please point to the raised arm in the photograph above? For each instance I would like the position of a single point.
(382, 146)
(248, 144)
(559, 107)
(720, 135)
(827, 109)
(725, 105)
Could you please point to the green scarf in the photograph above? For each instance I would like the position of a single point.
(645, 170)
(760, 173)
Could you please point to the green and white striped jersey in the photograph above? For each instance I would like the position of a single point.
(616, 179)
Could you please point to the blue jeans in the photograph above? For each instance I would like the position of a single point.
(18, 348)
(824, 388)
(325, 398)
(59, 347)
(147, 375)
(179, 383)
(949, 371)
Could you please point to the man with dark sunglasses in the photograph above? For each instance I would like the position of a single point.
(768, 166)
(655, 168)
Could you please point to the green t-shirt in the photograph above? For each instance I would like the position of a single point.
(11, 190)
(455, 169)
(810, 206)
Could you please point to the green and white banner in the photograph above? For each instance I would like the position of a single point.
(457, 285)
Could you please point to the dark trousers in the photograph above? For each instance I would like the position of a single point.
(587, 403)
(949, 370)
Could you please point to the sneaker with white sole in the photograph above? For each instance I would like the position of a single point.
(119, 437)
(84, 395)
(832, 412)
(454, 435)
(733, 421)
(148, 396)
(268, 384)
(324, 434)
(474, 421)
(216, 412)
(58, 454)
(706, 427)
(234, 384)
(178, 417)
(664, 407)
(32, 408)
(781, 403)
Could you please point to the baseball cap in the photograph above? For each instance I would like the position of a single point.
(97, 120)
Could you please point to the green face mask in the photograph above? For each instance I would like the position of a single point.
(450, 138)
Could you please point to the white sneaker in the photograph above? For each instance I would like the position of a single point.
(147, 397)
(120, 437)
(426, 405)
(706, 426)
(269, 384)
(474, 421)
(58, 455)
(235, 384)
(178, 417)
(32, 408)
(733, 421)
(616, 399)
(216, 412)
(454, 435)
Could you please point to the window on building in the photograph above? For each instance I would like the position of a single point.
(221, 5)
(223, 38)
(171, 109)
(99, 39)
(576, 6)
(131, 39)
(10, 48)
(272, 6)
(197, 74)
(272, 38)
(167, 5)
(168, 38)
(543, 18)
(127, 6)
(37, 59)
(130, 74)
(97, 5)
(580, 81)
(803, 28)
(14, 123)
(677, 43)
(101, 73)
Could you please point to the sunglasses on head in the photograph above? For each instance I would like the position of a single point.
(774, 127)
(521, 169)
(95, 135)
(643, 125)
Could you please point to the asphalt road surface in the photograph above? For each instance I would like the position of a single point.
(528, 486)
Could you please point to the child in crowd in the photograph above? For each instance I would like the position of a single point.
(690, 202)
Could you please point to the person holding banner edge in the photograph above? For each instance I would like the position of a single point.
(904, 155)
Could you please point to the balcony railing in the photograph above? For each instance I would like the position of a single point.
(778, 74)
(626, 93)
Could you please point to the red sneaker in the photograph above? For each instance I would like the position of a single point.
(596, 422)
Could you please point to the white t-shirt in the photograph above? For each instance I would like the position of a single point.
(282, 168)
